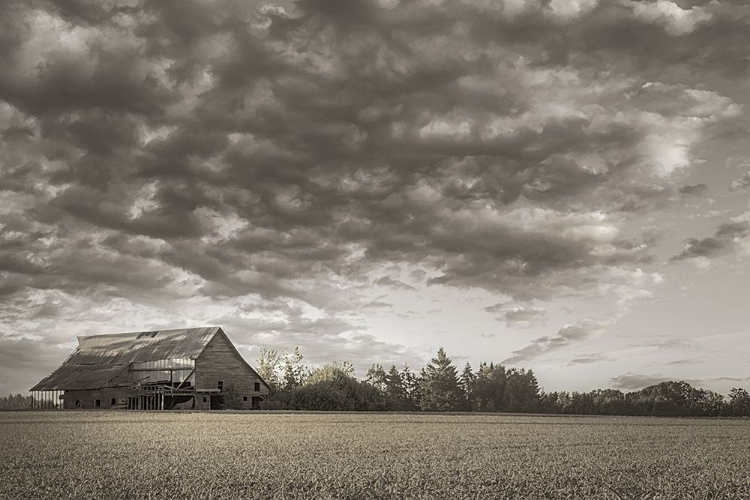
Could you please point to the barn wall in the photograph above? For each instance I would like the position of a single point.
(88, 398)
(220, 362)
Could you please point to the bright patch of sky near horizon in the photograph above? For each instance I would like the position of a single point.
(560, 186)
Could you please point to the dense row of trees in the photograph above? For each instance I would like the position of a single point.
(440, 387)
(15, 402)
(491, 388)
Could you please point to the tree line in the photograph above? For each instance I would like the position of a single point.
(439, 386)
(492, 387)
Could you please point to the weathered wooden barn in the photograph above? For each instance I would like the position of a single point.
(193, 368)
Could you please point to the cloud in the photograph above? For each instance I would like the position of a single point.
(518, 315)
(693, 190)
(144, 125)
(589, 358)
(675, 20)
(393, 283)
(635, 382)
(581, 332)
(726, 238)
(741, 183)
(524, 316)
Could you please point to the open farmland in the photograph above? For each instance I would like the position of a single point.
(225, 455)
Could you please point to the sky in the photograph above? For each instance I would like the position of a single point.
(547, 184)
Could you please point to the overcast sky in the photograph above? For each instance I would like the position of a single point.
(552, 184)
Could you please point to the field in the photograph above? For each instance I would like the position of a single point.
(225, 455)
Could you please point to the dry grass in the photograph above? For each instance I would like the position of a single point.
(220, 455)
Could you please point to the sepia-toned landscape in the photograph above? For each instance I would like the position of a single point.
(374, 249)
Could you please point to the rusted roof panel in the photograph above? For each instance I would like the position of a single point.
(99, 358)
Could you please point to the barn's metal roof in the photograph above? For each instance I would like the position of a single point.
(100, 358)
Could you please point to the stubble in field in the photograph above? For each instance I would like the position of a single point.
(224, 455)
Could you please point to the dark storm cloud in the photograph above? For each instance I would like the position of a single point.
(419, 153)
(722, 241)
(393, 283)
(693, 190)
(214, 149)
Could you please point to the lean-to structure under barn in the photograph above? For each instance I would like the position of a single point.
(192, 368)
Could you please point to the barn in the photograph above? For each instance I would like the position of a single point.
(191, 368)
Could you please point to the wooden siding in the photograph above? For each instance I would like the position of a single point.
(88, 398)
(220, 361)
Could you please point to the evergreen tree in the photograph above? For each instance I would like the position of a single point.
(396, 391)
(468, 384)
(440, 389)
(521, 391)
(490, 387)
(412, 386)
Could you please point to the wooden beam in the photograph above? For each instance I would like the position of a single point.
(188, 376)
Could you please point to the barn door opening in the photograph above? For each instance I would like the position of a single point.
(216, 403)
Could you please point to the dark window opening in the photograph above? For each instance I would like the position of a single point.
(257, 386)
(113, 401)
(78, 403)
(244, 398)
(97, 403)
(205, 399)
(221, 385)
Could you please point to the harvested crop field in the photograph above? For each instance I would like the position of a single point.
(283, 455)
